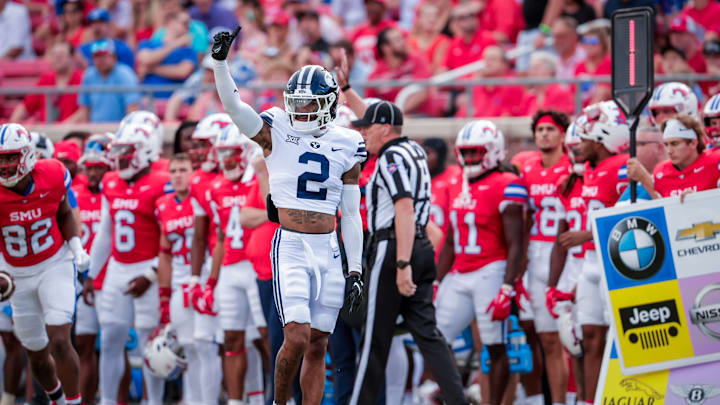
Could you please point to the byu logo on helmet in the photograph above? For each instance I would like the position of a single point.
(637, 248)
(311, 98)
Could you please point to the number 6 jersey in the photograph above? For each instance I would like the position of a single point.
(305, 171)
(30, 233)
(135, 230)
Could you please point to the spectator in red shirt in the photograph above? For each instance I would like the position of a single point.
(71, 22)
(545, 96)
(365, 37)
(503, 19)
(704, 12)
(684, 36)
(470, 41)
(62, 73)
(426, 37)
(711, 51)
(564, 33)
(397, 63)
(596, 44)
(492, 101)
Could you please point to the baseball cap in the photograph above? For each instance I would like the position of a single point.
(382, 112)
(67, 150)
(98, 14)
(102, 46)
(686, 24)
(280, 17)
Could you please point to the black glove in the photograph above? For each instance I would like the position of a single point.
(272, 211)
(222, 42)
(355, 296)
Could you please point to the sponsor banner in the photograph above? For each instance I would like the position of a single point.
(691, 385)
(661, 262)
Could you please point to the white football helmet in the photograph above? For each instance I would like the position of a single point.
(572, 139)
(164, 356)
(569, 330)
(15, 140)
(311, 85)
(233, 146)
(132, 150)
(676, 95)
(151, 120)
(479, 147)
(43, 145)
(712, 110)
(606, 123)
(206, 132)
(96, 151)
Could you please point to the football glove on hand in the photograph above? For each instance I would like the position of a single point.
(222, 41)
(500, 305)
(164, 293)
(520, 291)
(553, 296)
(355, 295)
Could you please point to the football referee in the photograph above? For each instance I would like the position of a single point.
(400, 258)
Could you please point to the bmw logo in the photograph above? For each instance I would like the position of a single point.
(315, 144)
(636, 248)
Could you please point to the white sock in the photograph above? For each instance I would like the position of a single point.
(570, 398)
(192, 392)
(558, 403)
(7, 398)
(535, 400)
(235, 402)
(254, 375)
(396, 371)
(211, 371)
(112, 360)
(154, 385)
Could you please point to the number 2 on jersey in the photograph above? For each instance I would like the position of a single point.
(302, 191)
(472, 247)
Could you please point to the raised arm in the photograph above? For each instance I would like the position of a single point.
(243, 115)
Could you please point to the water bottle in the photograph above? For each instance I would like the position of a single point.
(518, 351)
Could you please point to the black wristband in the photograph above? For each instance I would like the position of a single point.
(346, 87)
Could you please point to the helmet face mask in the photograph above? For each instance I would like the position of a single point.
(231, 160)
(605, 123)
(204, 136)
(151, 121)
(311, 99)
(479, 147)
(17, 154)
(711, 119)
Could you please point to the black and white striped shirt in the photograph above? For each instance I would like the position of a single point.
(401, 171)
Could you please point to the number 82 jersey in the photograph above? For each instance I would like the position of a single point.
(30, 233)
(306, 171)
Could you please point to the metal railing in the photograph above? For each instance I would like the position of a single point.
(255, 89)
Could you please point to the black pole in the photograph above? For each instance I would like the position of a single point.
(634, 120)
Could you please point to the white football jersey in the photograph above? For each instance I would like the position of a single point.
(305, 171)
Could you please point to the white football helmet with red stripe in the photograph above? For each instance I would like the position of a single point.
(164, 356)
(479, 147)
(149, 119)
(233, 152)
(17, 154)
(204, 136)
(573, 139)
(712, 110)
(133, 149)
(96, 152)
(676, 95)
(606, 123)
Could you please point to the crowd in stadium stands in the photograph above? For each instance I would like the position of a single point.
(158, 42)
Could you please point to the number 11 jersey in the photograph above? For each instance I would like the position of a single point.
(135, 230)
(306, 171)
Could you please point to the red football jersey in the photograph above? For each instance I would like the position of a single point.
(228, 197)
(258, 247)
(30, 233)
(161, 164)
(604, 184)
(541, 183)
(200, 191)
(476, 222)
(702, 174)
(440, 199)
(573, 211)
(177, 224)
(90, 207)
(136, 233)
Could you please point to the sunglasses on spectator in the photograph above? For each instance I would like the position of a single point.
(464, 16)
(590, 40)
(642, 143)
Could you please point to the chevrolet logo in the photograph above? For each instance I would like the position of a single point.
(701, 231)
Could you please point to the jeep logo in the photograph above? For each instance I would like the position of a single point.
(653, 314)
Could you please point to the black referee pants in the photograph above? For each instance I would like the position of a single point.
(384, 305)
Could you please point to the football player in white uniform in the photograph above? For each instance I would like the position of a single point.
(314, 168)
